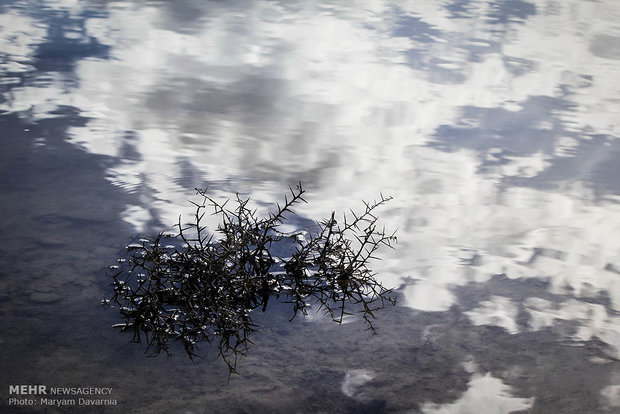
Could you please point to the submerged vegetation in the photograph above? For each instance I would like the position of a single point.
(196, 286)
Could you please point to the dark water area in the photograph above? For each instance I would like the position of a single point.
(493, 125)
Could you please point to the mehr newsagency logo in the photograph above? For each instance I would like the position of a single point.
(42, 395)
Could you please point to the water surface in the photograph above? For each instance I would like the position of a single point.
(494, 125)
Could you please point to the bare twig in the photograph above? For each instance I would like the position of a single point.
(197, 287)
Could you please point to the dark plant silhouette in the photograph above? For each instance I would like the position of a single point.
(198, 286)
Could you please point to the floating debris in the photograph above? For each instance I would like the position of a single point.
(206, 290)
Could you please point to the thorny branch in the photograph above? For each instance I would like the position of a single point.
(194, 286)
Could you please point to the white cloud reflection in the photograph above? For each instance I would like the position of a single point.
(20, 36)
(350, 99)
(612, 394)
(498, 311)
(353, 380)
(275, 94)
(594, 321)
(485, 395)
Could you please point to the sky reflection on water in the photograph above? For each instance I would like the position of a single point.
(493, 125)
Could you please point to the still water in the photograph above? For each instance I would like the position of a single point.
(493, 125)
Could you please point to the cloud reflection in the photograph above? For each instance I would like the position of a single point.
(486, 394)
(330, 95)
(353, 380)
(18, 42)
(493, 125)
